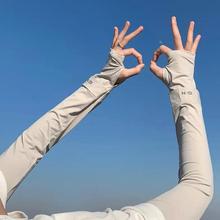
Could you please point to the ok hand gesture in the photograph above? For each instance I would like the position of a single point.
(120, 40)
(180, 67)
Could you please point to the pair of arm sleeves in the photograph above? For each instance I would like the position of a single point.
(188, 200)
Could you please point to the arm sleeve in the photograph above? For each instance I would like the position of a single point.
(194, 157)
(189, 199)
(35, 141)
(195, 161)
(92, 92)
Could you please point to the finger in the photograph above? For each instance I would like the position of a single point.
(132, 71)
(132, 35)
(176, 34)
(189, 41)
(132, 51)
(115, 36)
(158, 71)
(195, 44)
(161, 50)
(124, 31)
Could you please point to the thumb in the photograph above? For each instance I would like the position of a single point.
(155, 69)
(133, 71)
(126, 73)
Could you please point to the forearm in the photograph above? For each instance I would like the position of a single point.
(93, 91)
(189, 199)
(195, 166)
(59, 120)
(38, 139)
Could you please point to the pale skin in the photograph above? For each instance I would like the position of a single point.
(120, 40)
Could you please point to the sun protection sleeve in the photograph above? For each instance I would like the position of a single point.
(189, 199)
(36, 140)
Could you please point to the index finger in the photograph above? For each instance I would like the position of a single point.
(176, 34)
(115, 36)
(161, 50)
(132, 35)
(132, 51)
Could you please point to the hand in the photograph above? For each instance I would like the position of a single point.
(180, 68)
(118, 44)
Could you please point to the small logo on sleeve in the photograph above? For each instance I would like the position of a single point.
(186, 93)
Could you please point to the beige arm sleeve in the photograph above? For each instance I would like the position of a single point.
(189, 199)
(35, 141)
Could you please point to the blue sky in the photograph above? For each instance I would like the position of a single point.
(125, 151)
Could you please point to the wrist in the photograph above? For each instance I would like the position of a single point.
(107, 79)
(114, 66)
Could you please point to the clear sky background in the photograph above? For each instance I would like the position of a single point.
(124, 152)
